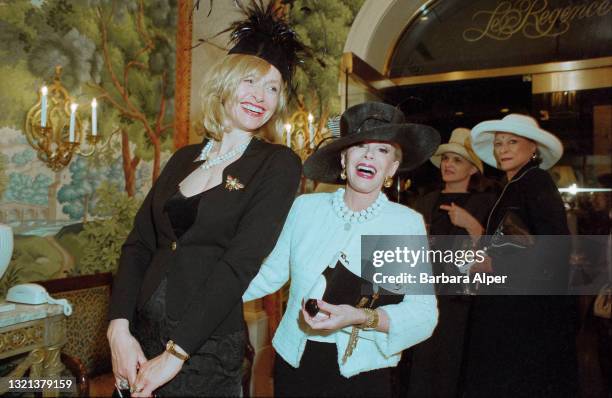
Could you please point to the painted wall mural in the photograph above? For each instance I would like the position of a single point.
(121, 52)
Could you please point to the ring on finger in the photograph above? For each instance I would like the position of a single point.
(123, 384)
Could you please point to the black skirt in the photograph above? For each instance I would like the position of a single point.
(319, 376)
(213, 370)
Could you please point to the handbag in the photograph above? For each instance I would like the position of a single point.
(337, 285)
(512, 231)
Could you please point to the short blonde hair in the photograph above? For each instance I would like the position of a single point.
(220, 85)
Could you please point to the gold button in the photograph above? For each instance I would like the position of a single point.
(173, 246)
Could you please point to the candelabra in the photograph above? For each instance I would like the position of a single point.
(55, 130)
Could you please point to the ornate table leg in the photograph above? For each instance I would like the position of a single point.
(52, 368)
(36, 368)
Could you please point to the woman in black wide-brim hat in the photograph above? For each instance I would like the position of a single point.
(213, 215)
(324, 231)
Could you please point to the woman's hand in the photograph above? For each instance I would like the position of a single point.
(127, 356)
(155, 373)
(333, 317)
(463, 219)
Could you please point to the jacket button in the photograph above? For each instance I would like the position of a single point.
(173, 246)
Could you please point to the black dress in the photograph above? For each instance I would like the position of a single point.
(215, 368)
(524, 345)
(312, 379)
(436, 362)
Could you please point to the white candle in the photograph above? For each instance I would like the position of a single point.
(94, 117)
(310, 130)
(43, 107)
(288, 130)
(73, 108)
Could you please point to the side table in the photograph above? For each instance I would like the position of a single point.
(39, 330)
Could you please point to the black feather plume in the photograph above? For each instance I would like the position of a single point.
(264, 34)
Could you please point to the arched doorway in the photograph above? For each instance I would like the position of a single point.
(455, 63)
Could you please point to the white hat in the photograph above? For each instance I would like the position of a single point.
(459, 143)
(483, 134)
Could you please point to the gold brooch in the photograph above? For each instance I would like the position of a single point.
(232, 184)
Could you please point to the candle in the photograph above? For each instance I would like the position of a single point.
(94, 117)
(288, 130)
(73, 108)
(43, 107)
(310, 130)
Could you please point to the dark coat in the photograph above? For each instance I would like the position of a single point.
(531, 202)
(213, 262)
(524, 345)
(436, 362)
(478, 205)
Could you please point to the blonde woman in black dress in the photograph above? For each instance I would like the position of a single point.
(214, 214)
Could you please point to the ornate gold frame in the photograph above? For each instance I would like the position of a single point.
(182, 95)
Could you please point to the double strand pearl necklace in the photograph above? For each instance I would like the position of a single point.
(352, 217)
(208, 163)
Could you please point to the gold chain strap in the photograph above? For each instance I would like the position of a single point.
(371, 321)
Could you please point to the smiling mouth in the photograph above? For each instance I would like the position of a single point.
(366, 171)
(252, 109)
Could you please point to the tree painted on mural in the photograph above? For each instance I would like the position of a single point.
(77, 195)
(120, 51)
(86, 176)
(323, 26)
(137, 46)
(23, 158)
(23, 188)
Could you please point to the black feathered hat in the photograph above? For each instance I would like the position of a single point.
(264, 35)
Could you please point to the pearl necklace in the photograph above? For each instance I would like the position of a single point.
(219, 159)
(351, 217)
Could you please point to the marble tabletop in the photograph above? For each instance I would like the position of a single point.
(28, 312)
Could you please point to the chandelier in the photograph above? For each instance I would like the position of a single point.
(55, 130)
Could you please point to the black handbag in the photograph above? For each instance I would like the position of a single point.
(344, 287)
(512, 231)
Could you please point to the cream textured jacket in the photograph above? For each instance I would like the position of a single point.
(312, 238)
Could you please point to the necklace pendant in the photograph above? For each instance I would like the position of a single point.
(347, 226)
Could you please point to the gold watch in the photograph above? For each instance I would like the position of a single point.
(170, 348)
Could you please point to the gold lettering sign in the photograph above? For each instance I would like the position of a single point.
(533, 18)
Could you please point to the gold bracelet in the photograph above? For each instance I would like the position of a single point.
(371, 321)
(171, 349)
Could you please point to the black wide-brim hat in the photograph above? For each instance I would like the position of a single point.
(373, 121)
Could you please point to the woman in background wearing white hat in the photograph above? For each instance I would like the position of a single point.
(459, 209)
(522, 344)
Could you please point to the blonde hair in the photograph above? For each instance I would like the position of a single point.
(220, 85)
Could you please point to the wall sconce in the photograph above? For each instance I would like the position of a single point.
(301, 133)
(55, 129)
